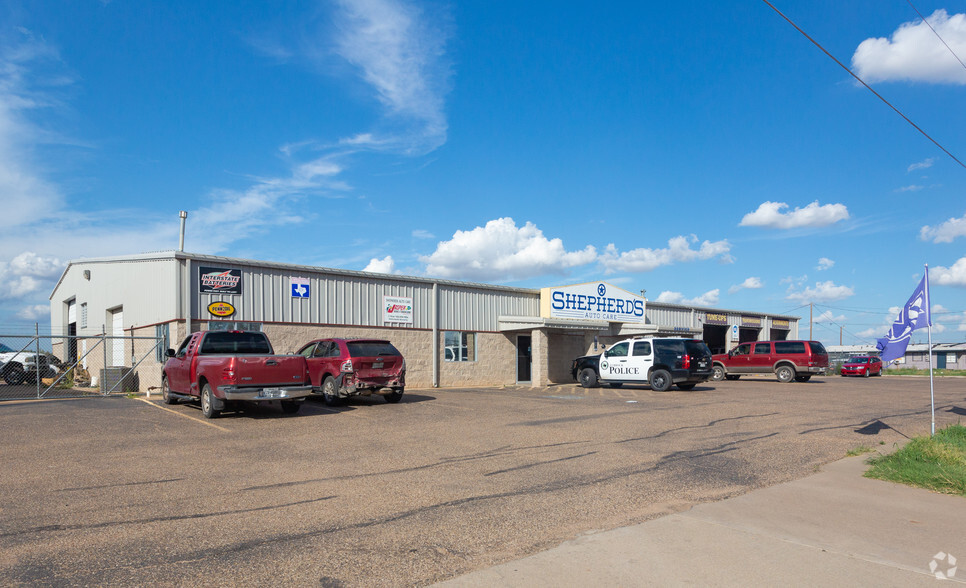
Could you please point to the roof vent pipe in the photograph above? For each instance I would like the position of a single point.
(183, 214)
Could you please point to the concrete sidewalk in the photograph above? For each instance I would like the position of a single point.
(832, 528)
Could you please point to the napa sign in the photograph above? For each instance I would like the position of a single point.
(592, 301)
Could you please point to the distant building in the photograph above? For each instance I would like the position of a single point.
(950, 356)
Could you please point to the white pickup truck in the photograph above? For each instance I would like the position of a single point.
(16, 367)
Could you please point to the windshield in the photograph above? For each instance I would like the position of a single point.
(5, 349)
(858, 360)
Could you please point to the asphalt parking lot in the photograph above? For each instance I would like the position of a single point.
(126, 491)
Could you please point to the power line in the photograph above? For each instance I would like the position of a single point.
(867, 86)
(935, 32)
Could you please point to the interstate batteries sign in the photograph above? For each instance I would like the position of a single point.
(592, 301)
(214, 280)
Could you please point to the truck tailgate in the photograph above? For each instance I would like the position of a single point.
(270, 370)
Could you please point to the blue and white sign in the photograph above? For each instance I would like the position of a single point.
(592, 301)
(300, 288)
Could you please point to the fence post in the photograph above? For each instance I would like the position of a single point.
(104, 365)
(36, 357)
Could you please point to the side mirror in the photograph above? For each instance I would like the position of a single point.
(169, 352)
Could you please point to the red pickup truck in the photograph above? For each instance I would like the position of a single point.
(220, 368)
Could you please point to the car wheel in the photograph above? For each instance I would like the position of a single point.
(291, 406)
(660, 380)
(686, 387)
(14, 374)
(717, 373)
(785, 374)
(330, 392)
(166, 391)
(208, 403)
(588, 378)
(867, 373)
(394, 397)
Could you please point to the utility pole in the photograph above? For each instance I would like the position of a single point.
(810, 305)
(841, 328)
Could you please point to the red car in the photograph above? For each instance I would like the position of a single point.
(340, 368)
(862, 365)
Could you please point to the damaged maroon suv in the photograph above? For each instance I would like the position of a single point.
(341, 368)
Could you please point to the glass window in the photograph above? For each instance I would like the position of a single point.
(308, 350)
(371, 348)
(619, 350)
(83, 316)
(817, 348)
(163, 334)
(743, 349)
(762, 348)
(642, 348)
(790, 347)
(459, 346)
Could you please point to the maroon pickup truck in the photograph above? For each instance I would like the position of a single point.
(220, 368)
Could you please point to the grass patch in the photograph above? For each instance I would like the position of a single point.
(858, 451)
(937, 463)
(917, 372)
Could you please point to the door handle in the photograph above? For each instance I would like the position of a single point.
(271, 362)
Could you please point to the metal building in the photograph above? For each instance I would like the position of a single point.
(451, 333)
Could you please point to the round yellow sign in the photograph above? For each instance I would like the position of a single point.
(221, 309)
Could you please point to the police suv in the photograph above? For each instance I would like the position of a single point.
(658, 361)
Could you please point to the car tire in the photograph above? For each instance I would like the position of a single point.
(660, 380)
(785, 373)
(330, 392)
(394, 397)
(166, 391)
(291, 406)
(208, 402)
(588, 378)
(14, 374)
(718, 373)
(867, 373)
(687, 387)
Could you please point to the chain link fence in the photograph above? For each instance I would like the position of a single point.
(44, 366)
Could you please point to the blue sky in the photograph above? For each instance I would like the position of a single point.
(707, 153)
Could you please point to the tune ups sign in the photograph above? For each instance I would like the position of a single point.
(592, 301)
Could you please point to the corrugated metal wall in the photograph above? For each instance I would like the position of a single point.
(349, 300)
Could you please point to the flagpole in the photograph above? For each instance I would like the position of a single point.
(932, 394)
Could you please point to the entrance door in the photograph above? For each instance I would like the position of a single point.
(524, 357)
(117, 330)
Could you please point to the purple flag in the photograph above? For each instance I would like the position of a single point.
(914, 315)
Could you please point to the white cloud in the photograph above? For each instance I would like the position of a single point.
(830, 317)
(25, 64)
(34, 312)
(501, 251)
(749, 284)
(678, 250)
(822, 292)
(399, 51)
(946, 232)
(949, 276)
(924, 164)
(910, 188)
(27, 273)
(422, 234)
(914, 53)
(709, 298)
(386, 265)
(769, 214)
(825, 263)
